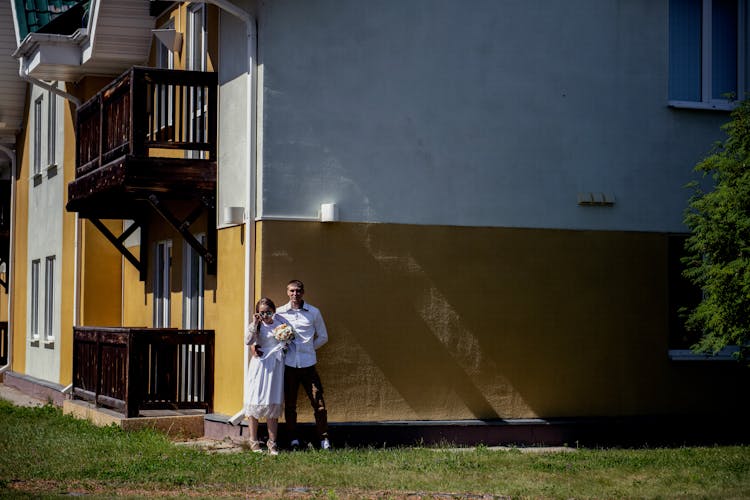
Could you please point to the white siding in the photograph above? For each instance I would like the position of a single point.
(46, 202)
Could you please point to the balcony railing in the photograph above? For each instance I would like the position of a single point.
(133, 369)
(148, 109)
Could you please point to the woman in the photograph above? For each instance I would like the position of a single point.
(264, 391)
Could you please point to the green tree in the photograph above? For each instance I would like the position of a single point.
(718, 248)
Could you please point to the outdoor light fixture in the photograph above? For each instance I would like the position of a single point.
(233, 215)
(329, 212)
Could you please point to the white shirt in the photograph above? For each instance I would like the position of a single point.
(310, 332)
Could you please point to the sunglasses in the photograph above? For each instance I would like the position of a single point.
(266, 313)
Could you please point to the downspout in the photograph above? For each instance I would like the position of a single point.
(47, 86)
(252, 53)
(76, 235)
(12, 155)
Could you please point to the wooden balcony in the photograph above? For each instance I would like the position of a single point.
(149, 132)
(134, 369)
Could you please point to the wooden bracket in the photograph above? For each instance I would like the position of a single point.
(119, 245)
(209, 251)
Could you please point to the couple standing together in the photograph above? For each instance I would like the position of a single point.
(278, 367)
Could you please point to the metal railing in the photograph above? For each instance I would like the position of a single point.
(133, 369)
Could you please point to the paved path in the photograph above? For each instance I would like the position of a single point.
(17, 397)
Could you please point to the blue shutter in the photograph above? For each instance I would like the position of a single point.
(685, 20)
(724, 49)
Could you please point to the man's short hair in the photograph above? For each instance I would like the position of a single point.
(297, 283)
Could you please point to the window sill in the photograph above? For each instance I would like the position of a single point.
(34, 343)
(49, 344)
(707, 106)
(726, 354)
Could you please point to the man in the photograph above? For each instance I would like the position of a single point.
(311, 334)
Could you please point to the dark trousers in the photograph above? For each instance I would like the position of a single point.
(310, 381)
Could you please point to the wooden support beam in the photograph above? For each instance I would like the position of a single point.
(118, 243)
(180, 227)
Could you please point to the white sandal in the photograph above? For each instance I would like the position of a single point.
(255, 446)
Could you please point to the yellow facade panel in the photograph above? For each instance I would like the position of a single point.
(430, 322)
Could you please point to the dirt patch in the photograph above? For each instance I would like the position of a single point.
(108, 490)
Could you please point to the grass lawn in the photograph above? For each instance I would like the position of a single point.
(44, 453)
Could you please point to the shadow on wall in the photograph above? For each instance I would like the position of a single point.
(487, 323)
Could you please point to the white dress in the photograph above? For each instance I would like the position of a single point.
(264, 391)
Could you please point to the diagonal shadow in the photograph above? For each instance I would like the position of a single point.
(378, 303)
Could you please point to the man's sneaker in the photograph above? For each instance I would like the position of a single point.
(325, 444)
(294, 444)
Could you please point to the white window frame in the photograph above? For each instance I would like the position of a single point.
(49, 297)
(52, 128)
(38, 102)
(192, 291)
(707, 100)
(34, 302)
(162, 284)
(197, 60)
(197, 41)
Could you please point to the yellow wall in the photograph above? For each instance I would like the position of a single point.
(20, 242)
(431, 322)
(101, 276)
(68, 253)
(225, 313)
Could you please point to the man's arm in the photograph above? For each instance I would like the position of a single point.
(321, 334)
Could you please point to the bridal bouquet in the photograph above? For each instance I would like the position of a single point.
(283, 333)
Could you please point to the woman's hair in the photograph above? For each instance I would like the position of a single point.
(265, 301)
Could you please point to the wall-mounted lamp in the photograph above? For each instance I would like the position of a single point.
(233, 215)
(596, 199)
(171, 38)
(329, 212)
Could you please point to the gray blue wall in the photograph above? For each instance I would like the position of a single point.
(479, 113)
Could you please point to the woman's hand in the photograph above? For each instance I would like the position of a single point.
(255, 350)
(257, 318)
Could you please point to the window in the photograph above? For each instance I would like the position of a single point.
(683, 294)
(193, 287)
(49, 295)
(51, 127)
(38, 135)
(192, 357)
(162, 289)
(164, 95)
(196, 56)
(34, 299)
(196, 61)
(706, 58)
